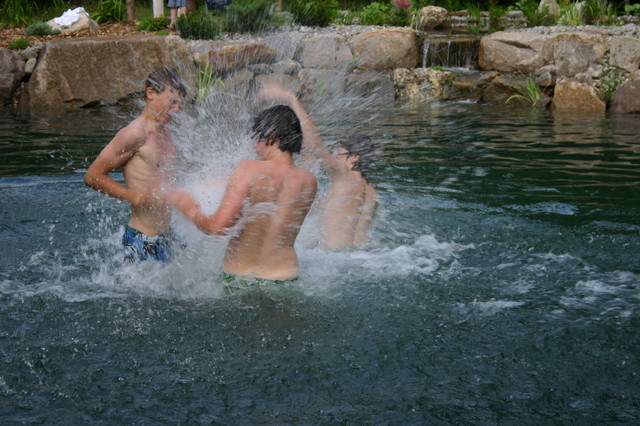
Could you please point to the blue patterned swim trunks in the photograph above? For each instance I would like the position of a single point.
(138, 246)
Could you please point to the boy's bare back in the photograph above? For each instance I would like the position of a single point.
(279, 197)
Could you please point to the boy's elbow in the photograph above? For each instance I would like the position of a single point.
(89, 179)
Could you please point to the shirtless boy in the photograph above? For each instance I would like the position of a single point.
(351, 201)
(270, 198)
(145, 151)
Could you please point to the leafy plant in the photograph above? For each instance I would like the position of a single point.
(387, 14)
(248, 16)
(109, 11)
(346, 18)
(318, 13)
(531, 92)
(153, 24)
(496, 18)
(17, 12)
(40, 29)
(633, 9)
(611, 79)
(19, 43)
(198, 24)
(374, 14)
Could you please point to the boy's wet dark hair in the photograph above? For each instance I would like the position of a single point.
(361, 146)
(279, 123)
(163, 78)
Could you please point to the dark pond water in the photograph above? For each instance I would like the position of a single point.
(501, 285)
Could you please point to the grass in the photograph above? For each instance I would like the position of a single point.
(531, 92)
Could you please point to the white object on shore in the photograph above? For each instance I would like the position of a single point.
(69, 17)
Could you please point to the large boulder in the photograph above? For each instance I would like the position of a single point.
(322, 84)
(224, 57)
(74, 73)
(434, 17)
(627, 98)
(515, 51)
(327, 51)
(575, 52)
(386, 49)
(11, 74)
(422, 83)
(571, 95)
(625, 53)
(285, 43)
(374, 86)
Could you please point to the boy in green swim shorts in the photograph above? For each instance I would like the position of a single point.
(272, 194)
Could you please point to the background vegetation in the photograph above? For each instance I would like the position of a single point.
(258, 15)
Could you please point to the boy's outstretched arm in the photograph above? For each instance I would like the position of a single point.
(227, 213)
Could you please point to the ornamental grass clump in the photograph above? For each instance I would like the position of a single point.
(41, 29)
(198, 24)
(531, 92)
(248, 16)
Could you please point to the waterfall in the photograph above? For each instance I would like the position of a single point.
(451, 51)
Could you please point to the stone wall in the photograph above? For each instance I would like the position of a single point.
(381, 63)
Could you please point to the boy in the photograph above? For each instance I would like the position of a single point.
(351, 202)
(145, 151)
(270, 196)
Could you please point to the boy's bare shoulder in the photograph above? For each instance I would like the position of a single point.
(135, 131)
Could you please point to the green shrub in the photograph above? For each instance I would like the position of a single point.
(346, 18)
(248, 16)
(633, 9)
(198, 24)
(109, 11)
(496, 18)
(384, 14)
(19, 43)
(153, 24)
(17, 13)
(40, 29)
(317, 13)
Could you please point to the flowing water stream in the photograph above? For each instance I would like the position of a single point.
(501, 283)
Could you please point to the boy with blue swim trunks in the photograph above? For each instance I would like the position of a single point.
(146, 152)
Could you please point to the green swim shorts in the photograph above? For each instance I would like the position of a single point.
(234, 283)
